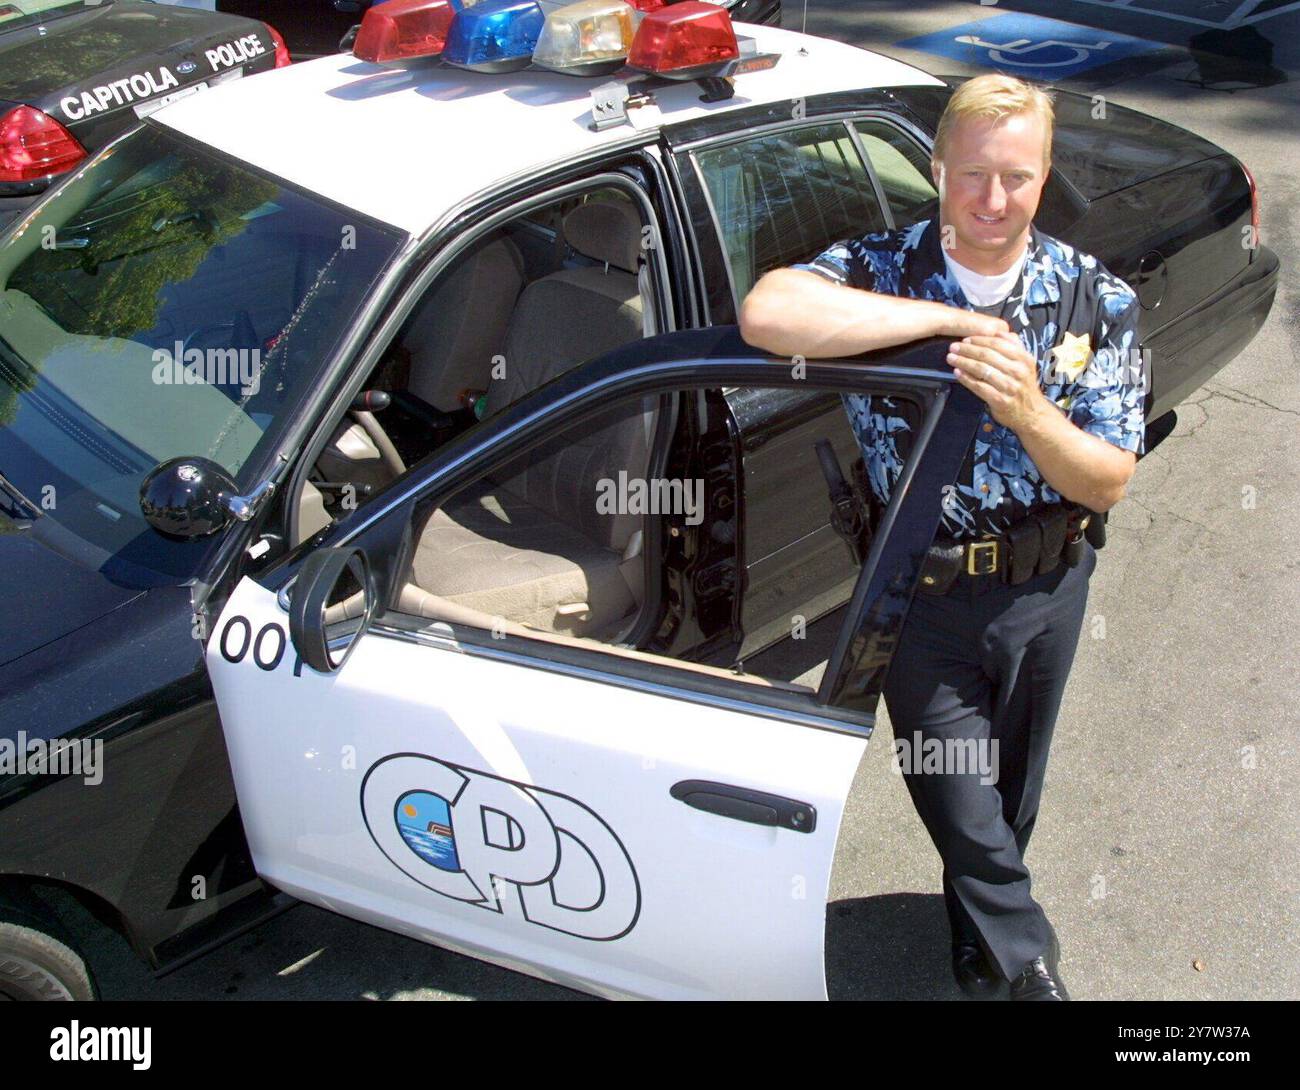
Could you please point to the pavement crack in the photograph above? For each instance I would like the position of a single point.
(1245, 398)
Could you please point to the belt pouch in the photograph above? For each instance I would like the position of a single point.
(1053, 522)
(1026, 540)
(940, 568)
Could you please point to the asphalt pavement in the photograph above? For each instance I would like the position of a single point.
(1167, 851)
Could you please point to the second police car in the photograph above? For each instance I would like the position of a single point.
(392, 516)
(75, 74)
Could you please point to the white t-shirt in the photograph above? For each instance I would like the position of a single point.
(981, 290)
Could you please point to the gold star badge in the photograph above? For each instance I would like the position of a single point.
(1071, 356)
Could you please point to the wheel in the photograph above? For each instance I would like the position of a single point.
(37, 962)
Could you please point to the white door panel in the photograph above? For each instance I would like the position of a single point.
(524, 816)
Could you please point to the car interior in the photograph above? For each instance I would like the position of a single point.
(528, 302)
(527, 551)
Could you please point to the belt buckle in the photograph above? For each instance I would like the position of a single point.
(992, 546)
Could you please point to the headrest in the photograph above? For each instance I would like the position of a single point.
(608, 231)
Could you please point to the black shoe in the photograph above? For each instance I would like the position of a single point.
(1040, 980)
(972, 971)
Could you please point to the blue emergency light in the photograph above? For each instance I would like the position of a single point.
(494, 35)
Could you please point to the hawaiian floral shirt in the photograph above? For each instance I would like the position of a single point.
(1075, 318)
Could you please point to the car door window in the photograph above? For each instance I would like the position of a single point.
(693, 527)
(784, 197)
(903, 169)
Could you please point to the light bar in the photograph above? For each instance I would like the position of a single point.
(685, 41)
(494, 35)
(589, 38)
(403, 29)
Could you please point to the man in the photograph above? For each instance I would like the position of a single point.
(1045, 337)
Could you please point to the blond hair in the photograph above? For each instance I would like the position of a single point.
(992, 97)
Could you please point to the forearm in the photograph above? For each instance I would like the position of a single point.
(794, 312)
(1081, 467)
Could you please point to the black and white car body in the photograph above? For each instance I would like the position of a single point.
(391, 657)
(74, 75)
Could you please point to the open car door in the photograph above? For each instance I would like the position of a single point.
(619, 825)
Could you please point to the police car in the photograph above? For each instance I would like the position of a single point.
(389, 496)
(74, 74)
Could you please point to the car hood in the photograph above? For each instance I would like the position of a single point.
(47, 590)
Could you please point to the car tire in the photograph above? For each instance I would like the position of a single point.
(38, 963)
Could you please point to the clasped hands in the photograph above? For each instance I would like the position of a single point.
(997, 369)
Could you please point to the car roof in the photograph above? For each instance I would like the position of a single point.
(404, 145)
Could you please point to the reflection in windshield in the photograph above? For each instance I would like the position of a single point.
(15, 12)
(166, 303)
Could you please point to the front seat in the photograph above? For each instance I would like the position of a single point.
(530, 545)
(458, 328)
(452, 336)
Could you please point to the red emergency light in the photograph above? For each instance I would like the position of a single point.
(684, 41)
(402, 29)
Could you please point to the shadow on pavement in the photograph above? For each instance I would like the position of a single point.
(895, 946)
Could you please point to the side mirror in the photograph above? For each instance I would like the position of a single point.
(195, 497)
(330, 605)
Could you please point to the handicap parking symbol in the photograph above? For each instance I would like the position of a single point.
(1026, 45)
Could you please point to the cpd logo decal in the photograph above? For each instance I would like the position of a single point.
(503, 846)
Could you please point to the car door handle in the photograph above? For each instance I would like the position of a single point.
(746, 804)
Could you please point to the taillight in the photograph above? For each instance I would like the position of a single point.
(33, 145)
(401, 29)
(1254, 210)
(282, 58)
(684, 41)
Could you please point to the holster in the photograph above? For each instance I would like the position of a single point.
(1053, 522)
(1080, 527)
(850, 515)
(940, 568)
(1096, 531)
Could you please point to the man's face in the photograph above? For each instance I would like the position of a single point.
(990, 181)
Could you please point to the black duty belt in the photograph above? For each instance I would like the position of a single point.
(1033, 546)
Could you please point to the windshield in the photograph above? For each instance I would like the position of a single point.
(21, 12)
(165, 303)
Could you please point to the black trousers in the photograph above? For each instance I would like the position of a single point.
(983, 668)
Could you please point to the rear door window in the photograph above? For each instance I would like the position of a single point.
(784, 197)
(903, 169)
